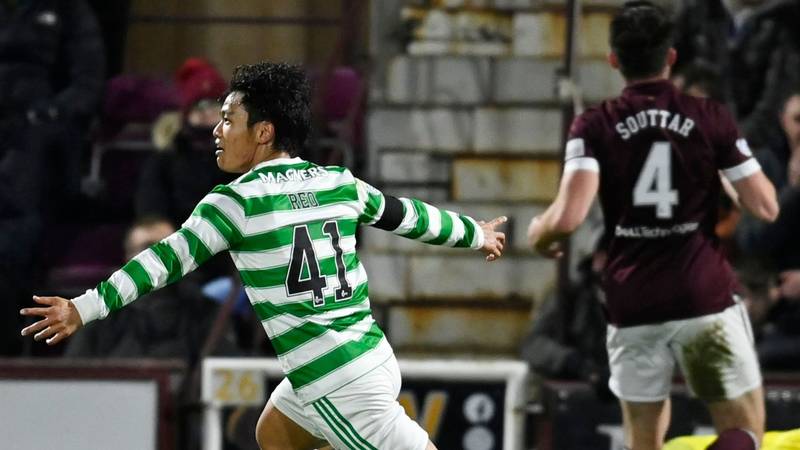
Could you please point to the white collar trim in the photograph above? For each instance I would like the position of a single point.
(277, 162)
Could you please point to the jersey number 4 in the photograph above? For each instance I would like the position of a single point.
(304, 256)
(654, 186)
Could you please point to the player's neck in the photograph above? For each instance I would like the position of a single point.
(664, 75)
(269, 154)
(632, 81)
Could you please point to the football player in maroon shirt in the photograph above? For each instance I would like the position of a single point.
(655, 156)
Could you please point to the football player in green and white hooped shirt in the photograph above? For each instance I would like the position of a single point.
(290, 226)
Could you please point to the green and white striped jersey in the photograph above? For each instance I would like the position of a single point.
(290, 226)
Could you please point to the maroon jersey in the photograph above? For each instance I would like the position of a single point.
(659, 152)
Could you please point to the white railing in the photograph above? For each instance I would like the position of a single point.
(242, 381)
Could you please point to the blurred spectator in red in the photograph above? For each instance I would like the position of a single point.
(339, 115)
(51, 78)
(174, 180)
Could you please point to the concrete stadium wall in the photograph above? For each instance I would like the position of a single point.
(159, 48)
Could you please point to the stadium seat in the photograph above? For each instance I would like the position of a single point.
(78, 257)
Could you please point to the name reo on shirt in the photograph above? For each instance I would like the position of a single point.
(300, 200)
(651, 118)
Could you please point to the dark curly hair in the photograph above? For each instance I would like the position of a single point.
(641, 35)
(277, 93)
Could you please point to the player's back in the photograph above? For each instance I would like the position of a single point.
(299, 266)
(659, 153)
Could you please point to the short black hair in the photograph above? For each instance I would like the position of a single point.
(641, 35)
(278, 93)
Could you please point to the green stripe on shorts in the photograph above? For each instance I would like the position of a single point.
(334, 427)
(345, 422)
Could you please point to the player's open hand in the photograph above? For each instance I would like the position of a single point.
(551, 249)
(60, 319)
(493, 241)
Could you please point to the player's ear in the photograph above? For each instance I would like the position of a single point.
(265, 132)
(613, 60)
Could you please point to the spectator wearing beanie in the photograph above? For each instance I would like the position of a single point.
(174, 180)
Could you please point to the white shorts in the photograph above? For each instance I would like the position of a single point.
(715, 354)
(362, 415)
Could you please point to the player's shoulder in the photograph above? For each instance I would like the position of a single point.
(591, 121)
(712, 117)
(336, 170)
(226, 190)
(594, 112)
(702, 105)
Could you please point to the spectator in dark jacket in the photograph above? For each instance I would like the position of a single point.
(174, 180)
(702, 35)
(706, 32)
(765, 57)
(775, 250)
(755, 43)
(778, 243)
(568, 336)
(776, 246)
(51, 78)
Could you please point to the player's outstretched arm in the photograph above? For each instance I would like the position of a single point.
(59, 320)
(214, 226)
(575, 196)
(734, 159)
(415, 219)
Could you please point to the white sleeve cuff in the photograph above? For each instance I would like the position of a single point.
(479, 238)
(583, 163)
(575, 149)
(90, 306)
(743, 170)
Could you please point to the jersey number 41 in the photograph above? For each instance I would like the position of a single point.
(304, 256)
